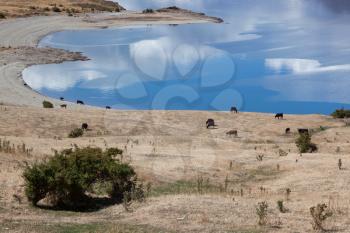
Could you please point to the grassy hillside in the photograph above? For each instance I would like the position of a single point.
(25, 8)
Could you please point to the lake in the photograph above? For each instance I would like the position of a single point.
(289, 56)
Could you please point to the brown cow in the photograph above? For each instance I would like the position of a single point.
(232, 133)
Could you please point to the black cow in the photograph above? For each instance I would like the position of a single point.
(61, 98)
(279, 116)
(303, 131)
(85, 126)
(108, 107)
(210, 123)
(288, 131)
(234, 109)
(80, 102)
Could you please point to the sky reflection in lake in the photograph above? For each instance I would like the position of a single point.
(273, 56)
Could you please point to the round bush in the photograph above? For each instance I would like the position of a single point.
(341, 113)
(69, 177)
(47, 104)
(304, 144)
(75, 133)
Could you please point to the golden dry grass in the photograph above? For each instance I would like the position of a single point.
(166, 147)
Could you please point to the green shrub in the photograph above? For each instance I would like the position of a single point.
(319, 215)
(261, 211)
(148, 11)
(304, 144)
(75, 133)
(47, 104)
(341, 113)
(56, 9)
(281, 207)
(69, 178)
(2, 15)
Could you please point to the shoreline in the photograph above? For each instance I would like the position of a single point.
(19, 39)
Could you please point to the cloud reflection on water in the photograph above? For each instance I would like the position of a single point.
(304, 43)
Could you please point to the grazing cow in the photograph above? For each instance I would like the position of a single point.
(210, 123)
(85, 126)
(232, 133)
(313, 148)
(63, 105)
(80, 102)
(61, 98)
(279, 116)
(25, 84)
(108, 107)
(287, 130)
(234, 109)
(303, 131)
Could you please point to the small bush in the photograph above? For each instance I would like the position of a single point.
(340, 164)
(282, 153)
(260, 157)
(281, 207)
(75, 133)
(148, 11)
(319, 214)
(341, 113)
(2, 15)
(261, 211)
(47, 104)
(56, 9)
(69, 177)
(173, 8)
(288, 192)
(304, 144)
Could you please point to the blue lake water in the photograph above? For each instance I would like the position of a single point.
(289, 56)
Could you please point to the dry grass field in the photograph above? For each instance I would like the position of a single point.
(175, 152)
(25, 8)
(201, 179)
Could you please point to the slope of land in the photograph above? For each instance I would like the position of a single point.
(172, 150)
(25, 8)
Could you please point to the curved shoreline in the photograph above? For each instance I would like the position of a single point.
(20, 37)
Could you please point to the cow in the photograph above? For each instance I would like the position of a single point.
(61, 98)
(63, 105)
(287, 130)
(232, 133)
(279, 116)
(80, 102)
(108, 107)
(234, 109)
(84, 126)
(313, 148)
(210, 123)
(303, 131)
